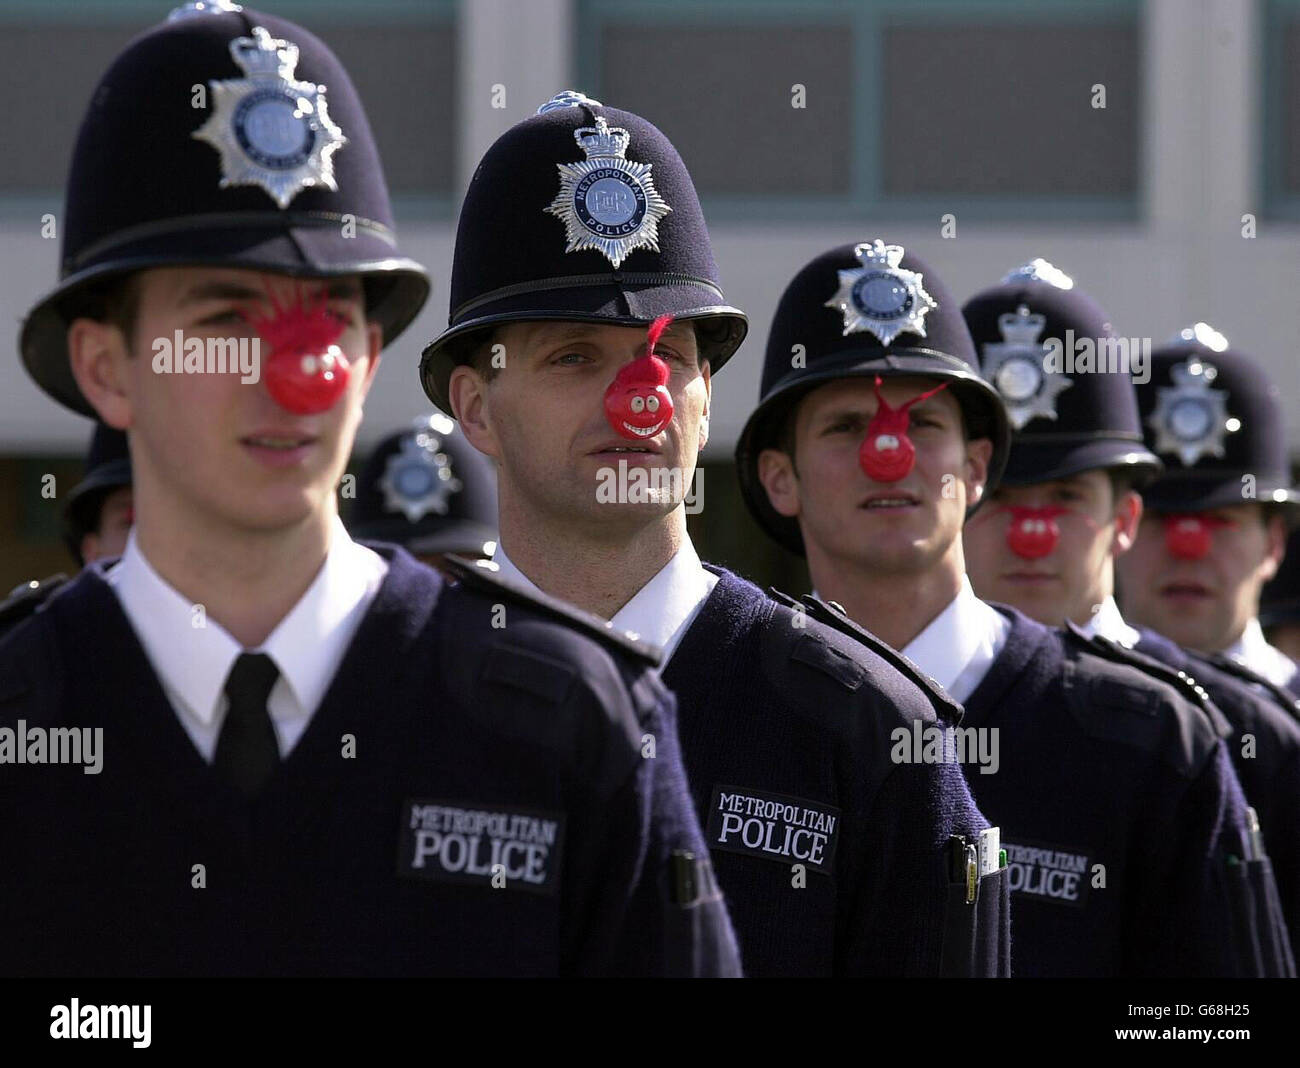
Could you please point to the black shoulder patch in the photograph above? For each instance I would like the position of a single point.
(24, 600)
(1113, 696)
(1280, 694)
(481, 576)
(833, 615)
(1180, 680)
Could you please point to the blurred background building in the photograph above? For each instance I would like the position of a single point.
(806, 124)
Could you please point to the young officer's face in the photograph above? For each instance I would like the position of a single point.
(893, 527)
(115, 518)
(198, 440)
(1071, 581)
(1203, 604)
(542, 418)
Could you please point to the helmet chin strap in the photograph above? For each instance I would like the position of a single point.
(1188, 534)
(305, 370)
(637, 403)
(887, 453)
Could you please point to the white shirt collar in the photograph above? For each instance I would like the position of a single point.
(193, 655)
(960, 644)
(660, 611)
(1253, 650)
(1107, 622)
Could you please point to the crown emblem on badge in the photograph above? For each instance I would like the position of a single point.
(418, 479)
(1017, 368)
(880, 297)
(607, 202)
(271, 131)
(1190, 419)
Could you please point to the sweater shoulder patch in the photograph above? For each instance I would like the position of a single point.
(482, 579)
(833, 615)
(25, 600)
(1278, 694)
(1113, 698)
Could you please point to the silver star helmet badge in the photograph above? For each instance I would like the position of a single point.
(1039, 270)
(1016, 366)
(1190, 418)
(418, 479)
(271, 131)
(607, 202)
(880, 297)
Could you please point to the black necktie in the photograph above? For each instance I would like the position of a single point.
(247, 751)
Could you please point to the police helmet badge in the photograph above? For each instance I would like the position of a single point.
(418, 478)
(607, 202)
(1190, 419)
(1017, 368)
(271, 130)
(880, 297)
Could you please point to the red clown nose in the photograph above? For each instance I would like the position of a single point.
(887, 453)
(637, 403)
(1033, 531)
(306, 372)
(1187, 537)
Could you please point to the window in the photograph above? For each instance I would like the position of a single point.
(909, 107)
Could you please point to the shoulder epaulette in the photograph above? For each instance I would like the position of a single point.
(1228, 666)
(24, 600)
(833, 615)
(1148, 665)
(482, 576)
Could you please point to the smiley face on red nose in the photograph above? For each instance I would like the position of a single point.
(1187, 537)
(1033, 532)
(306, 372)
(637, 403)
(887, 453)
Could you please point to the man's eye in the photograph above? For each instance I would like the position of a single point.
(223, 318)
(570, 358)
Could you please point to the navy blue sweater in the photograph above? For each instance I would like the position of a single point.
(769, 708)
(521, 746)
(1119, 810)
(1265, 751)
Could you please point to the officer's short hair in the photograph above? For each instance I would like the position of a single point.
(115, 301)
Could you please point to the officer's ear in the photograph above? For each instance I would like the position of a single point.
(776, 472)
(979, 453)
(1128, 517)
(375, 347)
(97, 353)
(467, 393)
(1275, 532)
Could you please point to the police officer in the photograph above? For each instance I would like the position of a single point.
(431, 492)
(97, 516)
(1214, 530)
(1067, 506)
(273, 711)
(1123, 821)
(580, 229)
(1279, 602)
(96, 521)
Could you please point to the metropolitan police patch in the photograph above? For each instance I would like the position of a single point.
(271, 130)
(509, 849)
(1051, 874)
(789, 830)
(608, 203)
